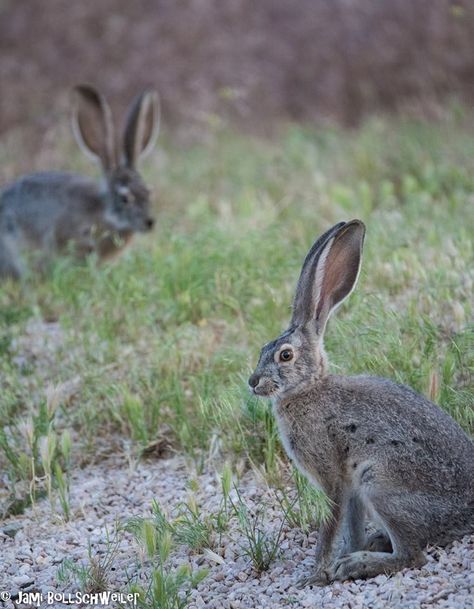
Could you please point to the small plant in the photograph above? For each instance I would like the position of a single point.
(223, 515)
(133, 410)
(192, 528)
(94, 576)
(161, 522)
(62, 478)
(47, 450)
(308, 509)
(262, 547)
(167, 588)
(36, 459)
(188, 527)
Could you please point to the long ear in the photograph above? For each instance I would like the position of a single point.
(141, 127)
(329, 273)
(93, 126)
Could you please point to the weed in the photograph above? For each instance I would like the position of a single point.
(167, 588)
(133, 410)
(224, 513)
(308, 509)
(36, 461)
(262, 547)
(93, 576)
(192, 528)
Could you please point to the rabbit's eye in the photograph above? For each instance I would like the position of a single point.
(124, 195)
(286, 355)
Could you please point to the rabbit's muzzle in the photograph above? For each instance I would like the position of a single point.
(262, 386)
(145, 224)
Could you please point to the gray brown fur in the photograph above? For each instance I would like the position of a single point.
(45, 214)
(378, 449)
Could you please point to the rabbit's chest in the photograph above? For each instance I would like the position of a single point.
(112, 244)
(309, 454)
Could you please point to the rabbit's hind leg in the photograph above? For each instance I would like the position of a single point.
(363, 564)
(406, 537)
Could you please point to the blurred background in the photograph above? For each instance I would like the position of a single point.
(250, 63)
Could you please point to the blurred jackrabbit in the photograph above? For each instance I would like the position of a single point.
(52, 212)
(378, 449)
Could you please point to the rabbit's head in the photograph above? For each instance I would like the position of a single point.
(129, 203)
(293, 362)
(128, 198)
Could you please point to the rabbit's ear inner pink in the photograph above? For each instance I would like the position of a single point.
(329, 274)
(141, 127)
(93, 126)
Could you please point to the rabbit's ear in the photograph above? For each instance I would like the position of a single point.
(329, 273)
(93, 126)
(141, 127)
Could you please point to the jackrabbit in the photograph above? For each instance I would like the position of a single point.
(53, 212)
(378, 449)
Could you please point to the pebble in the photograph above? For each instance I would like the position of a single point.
(12, 529)
(22, 580)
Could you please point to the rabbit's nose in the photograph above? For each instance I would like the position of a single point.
(254, 380)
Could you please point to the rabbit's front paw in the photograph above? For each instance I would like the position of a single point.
(321, 577)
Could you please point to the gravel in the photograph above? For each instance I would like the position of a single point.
(34, 545)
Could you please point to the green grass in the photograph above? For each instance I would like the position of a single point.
(164, 339)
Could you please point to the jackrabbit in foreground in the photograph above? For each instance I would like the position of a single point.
(378, 449)
(52, 212)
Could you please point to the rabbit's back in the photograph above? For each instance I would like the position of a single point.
(364, 427)
(46, 193)
(35, 207)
